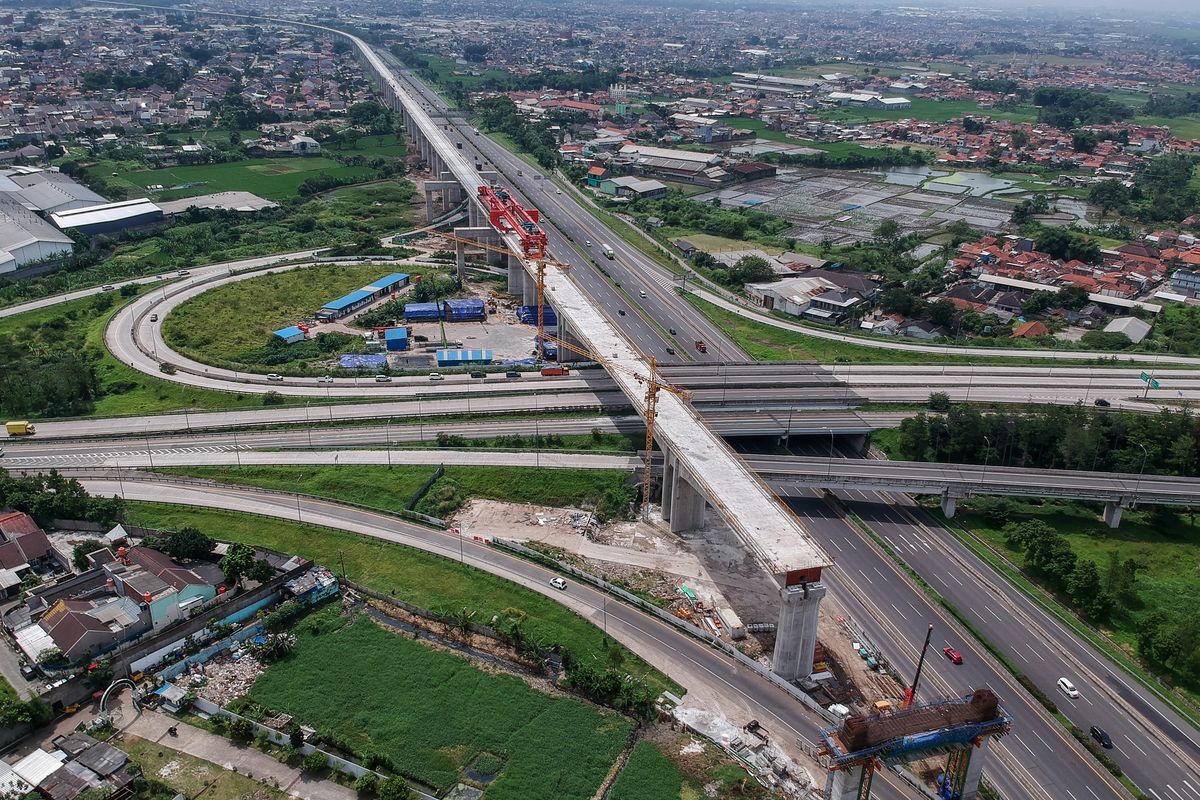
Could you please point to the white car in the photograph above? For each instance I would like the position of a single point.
(1068, 688)
(383, 378)
(558, 583)
(325, 379)
(588, 242)
(108, 287)
(154, 317)
(436, 376)
(274, 377)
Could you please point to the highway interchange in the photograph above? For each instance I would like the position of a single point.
(1154, 746)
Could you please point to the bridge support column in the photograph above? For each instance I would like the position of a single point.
(796, 630)
(441, 189)
(853, 783)
(567, 333)
(529, 290)
(970, 785)
(1112, 513)
(687, 504)
(517, 278)
(483, 235)
(668, 477)
(949, 505)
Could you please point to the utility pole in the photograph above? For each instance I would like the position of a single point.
(910, 696)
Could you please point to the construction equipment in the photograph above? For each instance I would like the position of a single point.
(509, 216)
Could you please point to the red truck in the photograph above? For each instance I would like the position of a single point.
(551, 371)
(702, 347)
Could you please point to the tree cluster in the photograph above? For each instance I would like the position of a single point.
(1057, 437)
(1066, 108)
(52, 496)
(184, 544)
(1162, 192)
(500, 114)
(677, 211)
(160, 73)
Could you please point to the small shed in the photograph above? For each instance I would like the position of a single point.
(1135, 329)
(462, 358)
(396, 338)
(290, 334)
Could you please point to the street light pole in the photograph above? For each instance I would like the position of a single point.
(388, 444)
(987, 454)
(149, 453)
(1138, 483)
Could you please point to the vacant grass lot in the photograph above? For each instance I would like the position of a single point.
(415, 576)
(272, 178)
(432, 713)
(79, 325)
(930, 110)
(224, 325)
(389, 146)
(390, 489)
(193, 777)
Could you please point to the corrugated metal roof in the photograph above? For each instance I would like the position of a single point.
(102, 758)
(348, 300)
(388, 281)
(112, 212)
(395, 333)
(289, 332)
(20, 227)
(38, 765)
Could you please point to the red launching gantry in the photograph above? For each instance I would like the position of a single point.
(508, 216)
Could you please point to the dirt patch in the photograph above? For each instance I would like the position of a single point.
(222, 679)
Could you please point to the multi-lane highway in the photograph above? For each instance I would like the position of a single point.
(1153, 745)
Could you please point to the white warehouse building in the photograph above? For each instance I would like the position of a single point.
(26, 238)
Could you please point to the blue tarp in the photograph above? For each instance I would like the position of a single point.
(464, 310)
(422, 311)
(358, 295)
(355, 361)
(528, 315)
(389, 282)
(290, 333)
(453, 358)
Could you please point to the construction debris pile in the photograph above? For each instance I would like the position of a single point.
(223, 679)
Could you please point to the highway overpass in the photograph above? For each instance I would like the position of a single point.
(795, 476)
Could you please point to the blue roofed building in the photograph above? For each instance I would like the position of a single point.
(396, 338)
(353, 301)
(290, 334)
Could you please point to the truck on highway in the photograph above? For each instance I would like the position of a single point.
(551, 371)
(608, 252)
(19, 428)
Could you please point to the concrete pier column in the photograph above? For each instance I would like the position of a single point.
(529, 290)
(796, 630)
(490, 176)
(849, 784)
(483, 235)
(567, 333)
(516, 278)
(1112, 514)
(687, 504)
(668, 478)
(949, 505)
(970, 788)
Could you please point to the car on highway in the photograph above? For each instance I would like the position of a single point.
(587, 242)
(478, 374)
(621, 311)
(558, 191)
(383, 378)
(952, 654)
(558, 583)
(701, 347)
(670, 351)
(642, 293)
(325, 379)
(671, 331)
(154, 317)
(1068, 688)
(1100, 401)
(512, 374)
(1101, 736)
(274, 376)
(436, 376)
(108, 287)
(183, 273)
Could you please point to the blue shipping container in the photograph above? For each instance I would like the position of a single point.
(422, 311)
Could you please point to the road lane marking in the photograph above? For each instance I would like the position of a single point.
(1093, 791)
(835, 544)
(1177, 794)
(1035, 652)
(1024, 745)
(1135, 744)
(993, 613)
(914, 608)
(1068, 791)
(1040, 739)
(860, 572)
(1188, 784)
(956, 580)
(881, 575)
(898, 611)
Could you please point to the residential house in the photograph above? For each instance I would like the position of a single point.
(1135, 329)
(169, 590)
(1030, 330)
